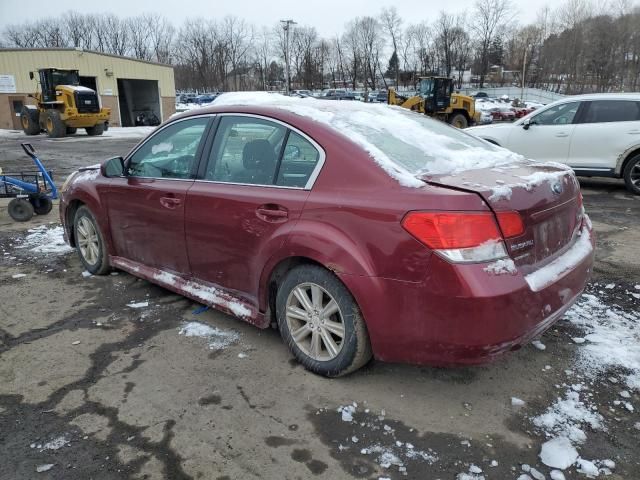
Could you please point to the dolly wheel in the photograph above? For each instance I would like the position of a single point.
(41, 205)
(20, 210)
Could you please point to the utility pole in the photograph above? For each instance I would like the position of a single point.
(286, 25)
(524, 72)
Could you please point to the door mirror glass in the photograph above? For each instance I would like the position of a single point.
(114, 167)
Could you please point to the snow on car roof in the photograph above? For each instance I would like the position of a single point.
(403, 143)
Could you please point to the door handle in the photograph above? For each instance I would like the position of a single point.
(170, 202)
(634, 132)
(562, 135)
(272, 213)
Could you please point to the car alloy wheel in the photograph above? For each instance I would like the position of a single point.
(88, 241)
(315, 322)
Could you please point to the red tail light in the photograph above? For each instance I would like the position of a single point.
(510, 224)
(452, 230)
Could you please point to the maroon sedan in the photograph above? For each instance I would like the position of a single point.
(360, 229)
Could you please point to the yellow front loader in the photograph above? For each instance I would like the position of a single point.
(63, 106)
(437, 99)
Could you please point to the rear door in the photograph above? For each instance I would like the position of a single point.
(247, 197)
(146, 208)
(606, 129)
(549, 134)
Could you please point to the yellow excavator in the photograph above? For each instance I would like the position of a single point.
(63, 106)
(437, 99)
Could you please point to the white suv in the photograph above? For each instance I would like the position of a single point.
(596, 135)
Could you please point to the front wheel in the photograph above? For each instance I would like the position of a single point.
(631, 175)
(89, 242)
(321, 323)
(458, 120)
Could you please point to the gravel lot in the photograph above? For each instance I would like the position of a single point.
(92, 387)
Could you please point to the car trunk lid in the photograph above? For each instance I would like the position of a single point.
(546, 196)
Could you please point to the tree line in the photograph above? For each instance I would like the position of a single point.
(579, 46)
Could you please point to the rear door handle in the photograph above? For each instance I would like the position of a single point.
(170, 202)
(562, 134)
(272, 213)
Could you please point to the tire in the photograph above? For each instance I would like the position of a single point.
(458, 120)
(42, 205)
(631, 175)
(30, 120)
(54, 125)
(71, 130)
(97, 129)
(351, 351)
(89, 242)
(20, 210)
(106, 126)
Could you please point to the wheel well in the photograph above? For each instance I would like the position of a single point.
(276, 277)
(626, 160)
(70, 214)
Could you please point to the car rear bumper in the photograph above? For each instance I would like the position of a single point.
(462, 314)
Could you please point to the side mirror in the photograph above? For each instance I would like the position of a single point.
(113, 167)
(526, 124)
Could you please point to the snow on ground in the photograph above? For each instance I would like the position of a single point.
(217, 339)
(426, 145)
(55, 444)
(112, 132)
(45, 240)
(611, 341)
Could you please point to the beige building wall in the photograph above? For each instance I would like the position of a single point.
(106, 69)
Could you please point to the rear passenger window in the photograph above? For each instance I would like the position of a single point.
(604, 111)
(299, 160)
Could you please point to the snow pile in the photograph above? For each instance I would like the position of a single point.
(501, 267)
(475, 473)
(208, 295)
(433, 147)
(611, 341)
(126, 132)
(562, 265)
(46, 240)
(217, 338)
(55, 444)
(501, 192)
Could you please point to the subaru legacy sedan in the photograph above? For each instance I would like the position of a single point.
(360, 230)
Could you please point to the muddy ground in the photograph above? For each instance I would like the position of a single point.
(94, 389)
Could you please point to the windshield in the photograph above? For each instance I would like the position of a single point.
(426, 86)
(65, 78)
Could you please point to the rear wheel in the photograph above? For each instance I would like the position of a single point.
(458, 120)
(89, 242)
(29, 119)
(54, 125)
(631, 175)
(20, 210)
(321, 323)
(97, 129)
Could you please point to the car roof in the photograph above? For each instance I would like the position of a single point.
(602, 96)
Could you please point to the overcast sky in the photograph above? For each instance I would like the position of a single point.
(328, 16)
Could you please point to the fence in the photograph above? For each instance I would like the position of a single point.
(530, 94)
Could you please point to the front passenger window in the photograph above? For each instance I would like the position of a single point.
(171, 152)
(562, 114)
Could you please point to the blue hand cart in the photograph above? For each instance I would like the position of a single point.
(32, 191)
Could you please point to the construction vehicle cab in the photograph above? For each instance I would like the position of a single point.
(436, 97)
(63, 106)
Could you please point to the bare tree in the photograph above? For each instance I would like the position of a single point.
(489, 17)
(392, 23)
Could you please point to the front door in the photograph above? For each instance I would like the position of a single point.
(548, 136)
(146, 208)
(250, 195)
(16, 104)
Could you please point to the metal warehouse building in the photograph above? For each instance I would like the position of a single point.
(127, 86)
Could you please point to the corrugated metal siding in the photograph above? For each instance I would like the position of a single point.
(20, 62)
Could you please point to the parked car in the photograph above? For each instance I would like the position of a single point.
(359, 229)
(205, 98)
(596, 135)
(479, 95)
(301, 93)
(504, 113)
